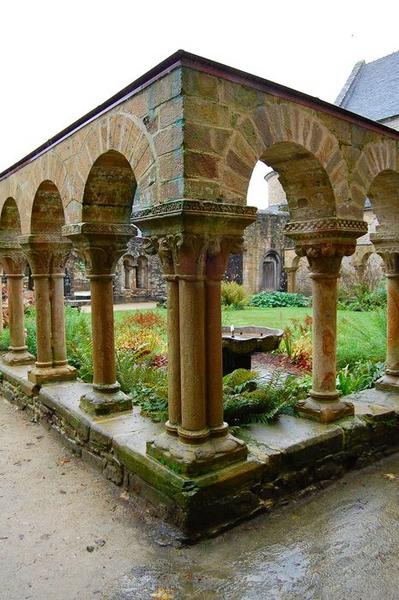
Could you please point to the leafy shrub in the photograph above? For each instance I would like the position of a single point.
(298, 342)
(149, 390)
(278, 299)
(360, 377)
(361, 298)
(233, 295)
(249, 398)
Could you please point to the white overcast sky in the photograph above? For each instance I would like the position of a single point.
(59, 59)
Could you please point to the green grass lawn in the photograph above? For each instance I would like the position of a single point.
(361, 335)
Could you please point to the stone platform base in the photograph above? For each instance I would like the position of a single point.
(40, 376)
(289, 458)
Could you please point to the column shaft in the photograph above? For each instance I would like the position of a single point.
(214, 357)
(102, 322)
(43, 321)
(192, 359)
(174, 399)
(16, 312)
(58, 320)
(324, 287)
(392, 365)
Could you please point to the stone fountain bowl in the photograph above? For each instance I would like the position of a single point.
(251, 339)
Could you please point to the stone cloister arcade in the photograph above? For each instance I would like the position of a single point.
(173, 154)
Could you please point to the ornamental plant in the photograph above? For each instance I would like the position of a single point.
(278, 299)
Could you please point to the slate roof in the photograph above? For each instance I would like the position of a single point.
(372, 89)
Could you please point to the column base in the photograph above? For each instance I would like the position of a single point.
(100, 403)
(42, 375)
(18, 357)
(324, 412)
(389, 383)
(196, 459)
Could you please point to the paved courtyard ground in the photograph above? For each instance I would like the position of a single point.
(66, 534)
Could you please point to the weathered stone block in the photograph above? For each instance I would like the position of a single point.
(168, 139)
(196, 83)
(206, 113)
(171, 112)
(201, 165)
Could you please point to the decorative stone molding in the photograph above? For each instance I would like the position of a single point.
(178, 207)
(99, 244)
(330, 226)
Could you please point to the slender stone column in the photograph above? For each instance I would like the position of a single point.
(324, 404)
(390, 380)
(43, 251)
(193, 243)
(43, 321)
(217, 257)
(291, 279)
(14, 264)
(324, 243)
(166, 248)
(174, 403)
(101, 245)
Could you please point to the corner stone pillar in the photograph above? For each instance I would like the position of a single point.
(388, 249)
(101, 245)
(46, 255)
(324, 242)
(291, 279)
(14, 264)
(193, 240)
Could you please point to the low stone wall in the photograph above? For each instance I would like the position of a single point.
(294, 457)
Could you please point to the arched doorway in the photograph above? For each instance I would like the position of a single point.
(271, 271)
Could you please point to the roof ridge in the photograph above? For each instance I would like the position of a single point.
(343, 94)
(382, 57)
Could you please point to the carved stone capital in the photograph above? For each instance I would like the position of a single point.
(46, 253)
(388, 248)
(325, 241)
(99, 244)
(325, 258)
(12, 258)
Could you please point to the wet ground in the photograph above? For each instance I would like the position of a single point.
(66, 533)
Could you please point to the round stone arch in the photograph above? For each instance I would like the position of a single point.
(376, 177)
(47, 168)
(10, 220)
(123, 134)
(47, 212)
(296, 145)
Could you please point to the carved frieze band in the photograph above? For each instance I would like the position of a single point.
(329, 227)
(194, 206)
(111, 229)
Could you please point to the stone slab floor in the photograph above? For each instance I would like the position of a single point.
(66, 533)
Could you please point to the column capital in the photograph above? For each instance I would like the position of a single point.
(387, 246)
(12, 257)
(46, 253)
(100, 244)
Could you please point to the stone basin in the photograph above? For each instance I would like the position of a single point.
(251, 339)
(238, 347)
